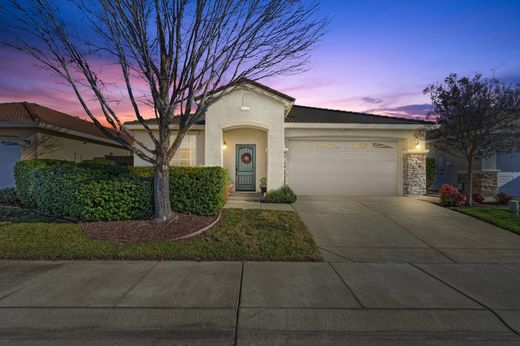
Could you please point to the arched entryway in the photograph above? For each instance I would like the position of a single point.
(245, 156)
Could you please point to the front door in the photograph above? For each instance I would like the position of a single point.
(245, 179)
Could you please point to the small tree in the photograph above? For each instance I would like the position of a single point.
(476, 117)
(172, 56)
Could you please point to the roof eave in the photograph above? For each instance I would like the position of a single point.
(353, 126)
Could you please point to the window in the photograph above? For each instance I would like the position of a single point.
(186, 155)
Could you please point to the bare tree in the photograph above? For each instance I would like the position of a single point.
(477, 117)
(183, 51)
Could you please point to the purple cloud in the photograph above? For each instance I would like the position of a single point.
(372, 100)
(407, 111)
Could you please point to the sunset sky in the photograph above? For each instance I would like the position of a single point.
(377, 56)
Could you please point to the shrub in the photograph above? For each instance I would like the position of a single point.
(8, 197)
(283, 195)
(477, 197)
(95, 191)
(430, 172)
(23, 174)
(503, 198)
(194, 190)
(451, 196)
(198, 190)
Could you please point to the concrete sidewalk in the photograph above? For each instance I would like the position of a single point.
(260, 303)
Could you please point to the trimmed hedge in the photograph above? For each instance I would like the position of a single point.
(23, 175)
(194, 190)
(103, 191)
(283, 195)
(8, 197)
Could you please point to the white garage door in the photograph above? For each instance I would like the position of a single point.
(9, 154)
(357, 168)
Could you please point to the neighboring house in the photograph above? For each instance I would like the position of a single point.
(30, 131)
(255, 131)
(499, 173)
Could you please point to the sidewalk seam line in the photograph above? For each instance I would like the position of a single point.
(346, 285)
(34, 280)
(337, 254)
(134, 285)
(469, 297)
(239, 300)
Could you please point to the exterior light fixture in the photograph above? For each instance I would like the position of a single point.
(417, 144)
(224, 146)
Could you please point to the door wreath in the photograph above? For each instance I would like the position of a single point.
(246, 158)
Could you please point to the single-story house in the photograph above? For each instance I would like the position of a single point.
(30, 131)
(254, 131)
(498, 173)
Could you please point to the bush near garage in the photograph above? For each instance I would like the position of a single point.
(430, 172)
(451, 196)
(98, 190)
(283, 195)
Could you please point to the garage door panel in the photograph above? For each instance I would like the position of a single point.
(343, 167)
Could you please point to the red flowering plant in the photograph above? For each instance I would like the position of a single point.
(451, 196)
(503, 198)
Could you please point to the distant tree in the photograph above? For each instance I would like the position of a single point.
(476, 117)
(178, 51)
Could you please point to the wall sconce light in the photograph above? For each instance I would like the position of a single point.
(417, 144)
(224, 146)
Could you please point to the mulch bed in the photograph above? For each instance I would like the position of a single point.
(133, 231)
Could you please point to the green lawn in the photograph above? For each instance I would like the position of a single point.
(241, 234)
(497, 216)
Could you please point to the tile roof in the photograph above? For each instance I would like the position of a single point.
(313, 115)
(304, 114)
(27, 113)
(175, 121)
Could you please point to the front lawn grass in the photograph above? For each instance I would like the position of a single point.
(241, 234)
(500, 217)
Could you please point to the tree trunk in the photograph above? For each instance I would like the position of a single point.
(162, 204)
(469, 190)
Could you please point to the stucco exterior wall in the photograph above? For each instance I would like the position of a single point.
(264, 112)
(245, 136)
(55, 147)
(143, 136)
(36, 144)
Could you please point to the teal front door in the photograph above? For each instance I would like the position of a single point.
(245, 179)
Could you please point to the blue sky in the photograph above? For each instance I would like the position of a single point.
(377, 56)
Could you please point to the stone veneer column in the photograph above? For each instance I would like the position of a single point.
(414, 174)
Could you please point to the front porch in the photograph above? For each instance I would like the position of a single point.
(244, 152)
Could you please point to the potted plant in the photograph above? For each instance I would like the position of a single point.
(229, 186)
(263, 185)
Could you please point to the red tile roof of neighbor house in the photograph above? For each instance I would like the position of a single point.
(32, 113)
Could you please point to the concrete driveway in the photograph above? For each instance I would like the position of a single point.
(400, 229)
